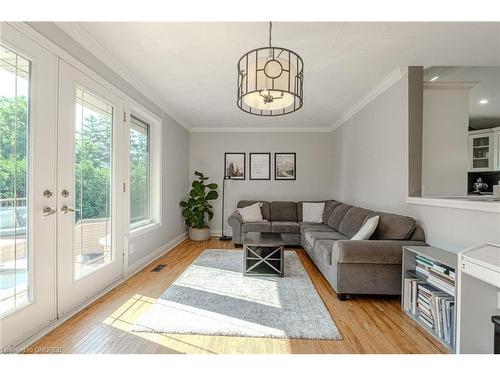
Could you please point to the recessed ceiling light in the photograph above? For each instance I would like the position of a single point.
(483, 101)
(434, 78)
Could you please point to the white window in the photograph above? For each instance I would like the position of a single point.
(140, 181)
(144, 156)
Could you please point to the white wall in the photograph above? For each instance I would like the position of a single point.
(370, 169)
(445, 141)
(314, 166)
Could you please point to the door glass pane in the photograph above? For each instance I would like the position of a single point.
(14, 137)
(93, 178)
(139, 173)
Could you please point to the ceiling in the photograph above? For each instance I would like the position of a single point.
(481, 115)
(190, 67)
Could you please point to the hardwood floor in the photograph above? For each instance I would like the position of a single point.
(367, 324)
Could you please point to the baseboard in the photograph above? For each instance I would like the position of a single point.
(131, 271)
(146, 260)
(218, 232)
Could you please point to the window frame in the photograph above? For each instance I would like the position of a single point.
(134, 123)
(155, 166)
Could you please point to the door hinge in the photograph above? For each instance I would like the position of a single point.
(124, 187)
(124, 116)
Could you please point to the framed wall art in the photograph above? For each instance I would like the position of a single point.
(260, 166)
(285, 166)
(234, 165)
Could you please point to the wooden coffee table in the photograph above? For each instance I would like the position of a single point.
(263, 254)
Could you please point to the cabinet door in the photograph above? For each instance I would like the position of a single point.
(481, 152)
(496, 152)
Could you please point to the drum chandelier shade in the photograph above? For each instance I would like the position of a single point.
(270, 81)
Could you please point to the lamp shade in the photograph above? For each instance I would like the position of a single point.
(270, 81)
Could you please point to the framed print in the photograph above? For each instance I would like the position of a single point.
(260, 166)
(285, 166)
(234, 165)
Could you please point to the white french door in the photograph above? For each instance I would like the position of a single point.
(90, 194)
(61, 195)
(28, 92)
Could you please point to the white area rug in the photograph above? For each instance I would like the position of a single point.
(212, 297)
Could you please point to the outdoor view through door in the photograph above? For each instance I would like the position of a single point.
(93, 148)
(14, 137)
(139, 173)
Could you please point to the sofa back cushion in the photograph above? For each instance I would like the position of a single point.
(393, 227)
(353, 220)
(329, 207)
(265, 208)
(337, 216)
(418, 234)
(284, 211)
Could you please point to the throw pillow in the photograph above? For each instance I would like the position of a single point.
(251, 213)
(366, 231)
(312, 212)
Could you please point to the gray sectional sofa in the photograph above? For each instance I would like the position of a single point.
(351, 267)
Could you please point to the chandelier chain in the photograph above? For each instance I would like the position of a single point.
(270, 30)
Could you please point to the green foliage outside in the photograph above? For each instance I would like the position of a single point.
(139, 177)
(93, 145)
(93, 162)
(13, 147)
(197, 207)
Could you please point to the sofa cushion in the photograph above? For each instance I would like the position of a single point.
(329, 207)
(310, 237)
(263, 226)
(337, 216)
(418, 234)
(285, 227)
(315, 226)
(393, 227)
(323, 250)
(313, 212)
(284, 211)
(353, 220)
(265, 208)
(251, 214)
(366, 231)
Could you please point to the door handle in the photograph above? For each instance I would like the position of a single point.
(47, 211)
(67, 209)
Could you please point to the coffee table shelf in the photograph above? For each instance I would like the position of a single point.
(263, 254)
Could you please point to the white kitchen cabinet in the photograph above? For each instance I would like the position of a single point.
(496, 149)
(484, 150)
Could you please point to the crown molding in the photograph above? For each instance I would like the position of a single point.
(81, 36)
(260, 130)
(383, 85)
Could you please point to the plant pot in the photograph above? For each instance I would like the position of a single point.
(197, 234)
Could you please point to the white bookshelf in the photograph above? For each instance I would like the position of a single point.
(409, 264)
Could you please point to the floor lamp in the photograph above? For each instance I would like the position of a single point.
(223, 237)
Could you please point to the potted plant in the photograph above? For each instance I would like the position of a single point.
(197, 208)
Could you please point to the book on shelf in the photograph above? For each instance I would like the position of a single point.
(441, 285)
(426, 322)
(422, 271)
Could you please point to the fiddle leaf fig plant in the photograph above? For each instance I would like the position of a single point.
(196, 208)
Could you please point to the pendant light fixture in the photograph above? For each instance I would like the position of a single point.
(270, 81)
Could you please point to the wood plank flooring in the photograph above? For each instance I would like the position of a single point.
(367, 324)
